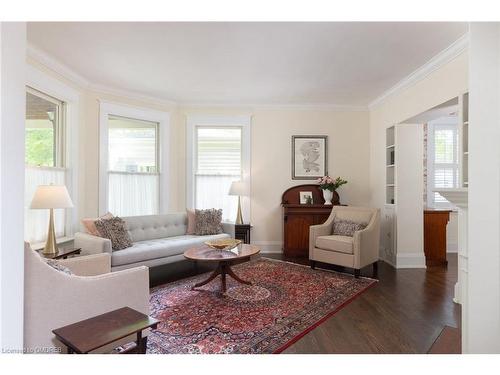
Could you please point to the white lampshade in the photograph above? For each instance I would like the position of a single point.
(51, 196)
(238, 188)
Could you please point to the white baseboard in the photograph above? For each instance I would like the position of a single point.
(452, 248)
(410, 260)
(269, 247)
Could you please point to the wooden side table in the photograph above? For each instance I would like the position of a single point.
(94, 333)
(63, 253)
(242, 232)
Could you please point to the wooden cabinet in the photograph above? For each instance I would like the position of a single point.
(297, 218)
(435, 222)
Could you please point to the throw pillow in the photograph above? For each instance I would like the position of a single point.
(89, 223)
(191, 227)
(346, 227)
(208, 222)
(56, 265)
(115, 230)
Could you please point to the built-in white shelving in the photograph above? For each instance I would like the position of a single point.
(463, 104)
(390, 164)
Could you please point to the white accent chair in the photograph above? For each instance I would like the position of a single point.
(354, 252)
(54, 299)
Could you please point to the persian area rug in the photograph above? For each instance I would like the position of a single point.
(285, 302)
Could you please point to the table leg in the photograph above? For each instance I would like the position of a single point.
(230, 272)
(141, 343)
(214, 274)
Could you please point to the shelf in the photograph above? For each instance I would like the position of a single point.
(466, 153)
(390, 185)
(466, 122)
(466, 183)
(391, 165)
(390, 146)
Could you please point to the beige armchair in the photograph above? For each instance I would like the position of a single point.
(54, 299)
(355, 252)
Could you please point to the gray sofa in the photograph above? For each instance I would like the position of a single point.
(157, 240)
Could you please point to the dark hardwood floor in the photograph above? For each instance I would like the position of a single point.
(404, 313)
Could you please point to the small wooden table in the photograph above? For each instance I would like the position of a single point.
(94, 333)
(224, 258)
(63, 253)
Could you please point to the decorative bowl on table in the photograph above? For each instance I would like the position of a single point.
(223, 244)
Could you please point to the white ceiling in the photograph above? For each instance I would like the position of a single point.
(257, 63)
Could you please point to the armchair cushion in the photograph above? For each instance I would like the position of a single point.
(347, 227)
(340, 244)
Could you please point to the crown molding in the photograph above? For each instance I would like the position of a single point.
(131, 95)
(436, 62)
(277, 106)
(56, 66)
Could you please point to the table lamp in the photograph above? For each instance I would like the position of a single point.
(50, 197)
(240, 189)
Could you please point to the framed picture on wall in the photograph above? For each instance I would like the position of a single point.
(309, 156)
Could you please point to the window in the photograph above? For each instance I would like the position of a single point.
(220, 155)
(44, 159)
(133, 167)
(442, 159)
(133, 160)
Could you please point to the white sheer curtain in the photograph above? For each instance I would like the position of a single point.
(218, 153)
(133, 194)
(212, 192)
(37, 221)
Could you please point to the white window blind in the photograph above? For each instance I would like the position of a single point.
(133, 170)
(218, 163)
(444, 147)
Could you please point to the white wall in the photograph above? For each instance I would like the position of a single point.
(12, 115)
(483, 285)
(438, 86)
(272, 129)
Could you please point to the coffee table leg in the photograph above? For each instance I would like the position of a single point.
(214, 274)
(230, 272)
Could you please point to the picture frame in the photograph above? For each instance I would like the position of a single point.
(309, 157)
(304, 196)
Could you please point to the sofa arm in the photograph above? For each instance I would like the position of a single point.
(228, 228)
(366, 243)
(92, 244)
(89, 265)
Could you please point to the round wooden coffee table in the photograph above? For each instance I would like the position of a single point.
(224, 260)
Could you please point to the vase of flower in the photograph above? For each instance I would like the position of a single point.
(329, 187)
(328, 195)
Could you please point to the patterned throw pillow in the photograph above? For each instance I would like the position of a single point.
(89, 223)
(208, 222)
(115, 230)
(347, 228)
(56, 265)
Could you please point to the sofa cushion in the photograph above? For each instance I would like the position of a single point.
(208, 222)
(354, 215)
(151, 227)
(341, 244)
(159, 248)
(115, 230)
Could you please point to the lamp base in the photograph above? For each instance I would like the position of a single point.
(239, 216)
(51, 245)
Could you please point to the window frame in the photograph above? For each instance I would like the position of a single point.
(196, 121)
(107, 109)
(41, 82)
(450, 123)
(59, 151)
